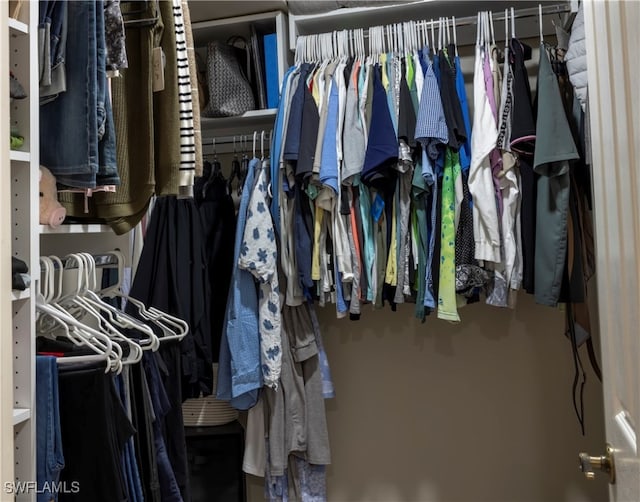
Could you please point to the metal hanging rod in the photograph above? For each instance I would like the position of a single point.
(240, 140)
(101, 260)
(518, 14)
(473, 20)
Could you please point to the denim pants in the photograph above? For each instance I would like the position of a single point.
(49, 455)
(52, 43)
(77, 136)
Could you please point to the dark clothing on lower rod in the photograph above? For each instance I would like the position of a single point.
(95, 428)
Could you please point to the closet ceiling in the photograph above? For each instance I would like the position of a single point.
(203, 10)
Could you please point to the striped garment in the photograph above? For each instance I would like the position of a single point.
(187, 131)
(431, 127)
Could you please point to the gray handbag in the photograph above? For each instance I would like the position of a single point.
(228, 75)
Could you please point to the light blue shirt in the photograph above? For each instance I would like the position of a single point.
(329, 161)
(239, 372)
(276, 145)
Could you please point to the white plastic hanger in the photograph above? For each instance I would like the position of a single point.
(540, 23)
(300, 47)
(487, 32)
(115, 316)
(433, 40)
(506, 31)
(70, 331)
(448, 32)
(255, 138)
(493, 37)
(172, 327)
(91, 311)
(455, 35)
(75, 331)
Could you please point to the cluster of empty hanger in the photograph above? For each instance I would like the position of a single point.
(78, 312)
(398, 38)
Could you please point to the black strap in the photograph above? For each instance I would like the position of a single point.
(578, 402)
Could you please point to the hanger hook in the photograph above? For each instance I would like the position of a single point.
(540, 23)
(455, 35)
(255, 137)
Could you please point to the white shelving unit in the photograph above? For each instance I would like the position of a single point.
(21, 415)
(19, 156)
(76, 228)
(6, 388)
(19, 238)
(223, 29)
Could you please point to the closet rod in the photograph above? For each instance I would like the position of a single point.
(518, 14)
(101, 260)
(473, 20)
(238, 139)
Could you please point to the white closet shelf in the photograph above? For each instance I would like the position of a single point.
(253, 119)
(18, 27)
(20, 156)
(76, 228)
(21, 415)
(20, 295)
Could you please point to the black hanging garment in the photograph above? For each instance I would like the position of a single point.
(94, 429)
(171, 277)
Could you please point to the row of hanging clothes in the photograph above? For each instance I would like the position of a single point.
(271, 359)
(386, 190)
(103, 389)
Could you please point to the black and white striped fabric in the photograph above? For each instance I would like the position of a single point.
(187, 133)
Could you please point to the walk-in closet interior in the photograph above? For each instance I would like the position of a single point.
(344, 251)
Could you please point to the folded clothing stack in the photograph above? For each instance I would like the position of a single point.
(20, 278)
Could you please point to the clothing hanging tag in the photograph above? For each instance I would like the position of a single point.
(158, 69)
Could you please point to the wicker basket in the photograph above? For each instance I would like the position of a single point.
(208, 411)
